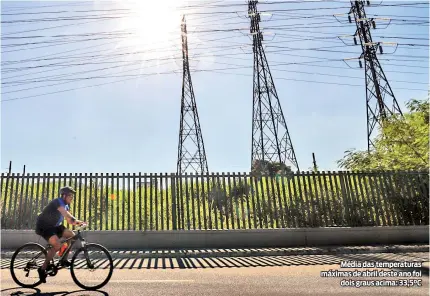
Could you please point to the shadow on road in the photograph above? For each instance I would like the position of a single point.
(37, 292)
(371, 257)
(251, 261)
(258, 261)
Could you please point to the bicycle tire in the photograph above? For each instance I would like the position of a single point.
(72, 269)
(15, 279)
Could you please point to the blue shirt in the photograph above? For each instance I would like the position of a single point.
(50, 215)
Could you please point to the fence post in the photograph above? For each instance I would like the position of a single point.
(173, 191)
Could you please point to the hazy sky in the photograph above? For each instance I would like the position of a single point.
(133, 125)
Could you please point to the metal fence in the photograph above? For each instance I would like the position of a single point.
(222, 200)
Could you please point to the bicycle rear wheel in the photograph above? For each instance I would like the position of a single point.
(24, 264)
(91, 267)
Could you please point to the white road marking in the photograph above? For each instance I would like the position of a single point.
(147, 281)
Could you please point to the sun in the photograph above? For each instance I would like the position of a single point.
(150, 24)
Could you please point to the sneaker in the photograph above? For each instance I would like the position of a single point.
(65, 263)
(42, 274)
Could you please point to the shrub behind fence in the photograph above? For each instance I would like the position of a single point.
(222, 200)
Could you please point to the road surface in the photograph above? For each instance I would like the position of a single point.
(270, 275)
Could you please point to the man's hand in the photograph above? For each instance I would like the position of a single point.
(79, 222)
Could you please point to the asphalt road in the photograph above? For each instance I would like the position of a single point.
(277, 275)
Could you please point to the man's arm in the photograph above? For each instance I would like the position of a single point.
(69, 218)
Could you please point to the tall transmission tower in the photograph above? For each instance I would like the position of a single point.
(380, 98)
(271, 140)
(191, 150)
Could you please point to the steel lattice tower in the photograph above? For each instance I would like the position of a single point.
(271, 140)
(377, 86)
(191, 150)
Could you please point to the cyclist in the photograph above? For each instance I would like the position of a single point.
(49, 226)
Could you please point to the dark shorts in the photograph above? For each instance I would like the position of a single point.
(47, 232)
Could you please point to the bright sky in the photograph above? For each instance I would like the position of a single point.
(103, 125)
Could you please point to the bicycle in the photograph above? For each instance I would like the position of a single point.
(80, 260)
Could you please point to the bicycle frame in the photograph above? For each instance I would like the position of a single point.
(73, 240)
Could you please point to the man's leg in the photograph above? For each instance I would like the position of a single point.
(67, 233)
(54, 241)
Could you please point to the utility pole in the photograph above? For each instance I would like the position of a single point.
(191, 150)
(380, 99)
(315, 163)
(271, 141)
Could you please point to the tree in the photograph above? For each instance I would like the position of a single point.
(267, 168)
(402, 143)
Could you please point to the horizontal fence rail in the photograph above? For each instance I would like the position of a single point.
(222, 200)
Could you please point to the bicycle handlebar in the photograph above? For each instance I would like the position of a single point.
(83, 226)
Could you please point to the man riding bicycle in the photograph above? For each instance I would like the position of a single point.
(49, 226)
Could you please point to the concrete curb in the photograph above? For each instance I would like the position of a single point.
(205, 253)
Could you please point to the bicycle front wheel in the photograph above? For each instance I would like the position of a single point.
(91, 267)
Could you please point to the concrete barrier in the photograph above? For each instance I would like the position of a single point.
(255, 238)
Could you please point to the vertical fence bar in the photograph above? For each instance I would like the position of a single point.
(101, 201)
(151, 210)
(328, 195)
(107, 198)
(241, 199)
(18, 207)
(225, 200)
(311, 198)
(42, 193)
(397, 192)
(293, 205)
(75, 185)
(336, 199)
(173, 192)
(198, 202)
(406, 197)
(90, 200)
(193, 197)
(306, 220)
(205, 222)
(346, 205)
(5, 197)
(355, 211)
(381, 189)
(187, 202)
(375, 191)
(145, 204)
(117, 202)
(161, 201)
(156, 202)
(360, 198)
(215, 190)
(134, 201)
(79, 206)
(25, 215)
(409, 192)
(96, 200)
(235, 201)
(365, 198)
(231, 200)
(248, 208)
(140, 201)
(281, 208)
(85, 195)
(128, 201)
(29, 202)
(112, 198)
(263, 202)
(181, 199)
(167, 185)
(210, 202)
(424, 197)
(37, 197)
(390, 194)
(260, 215)
(298, 201)
(272, 195)
(325, 206)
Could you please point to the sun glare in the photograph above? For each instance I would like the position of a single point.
(151, 23)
